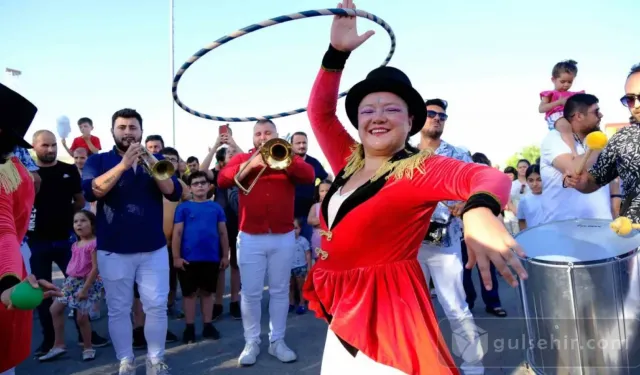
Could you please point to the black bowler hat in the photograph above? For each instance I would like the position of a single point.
(16, 115)
(388, 79)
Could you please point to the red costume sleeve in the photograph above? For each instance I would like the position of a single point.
(16, 200)
(11, 258)
(226, 175)
(335, 142)
(300, 172)
(450, 179)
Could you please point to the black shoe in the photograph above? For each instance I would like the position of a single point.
(42, 349)
(497, 311)
(210, 332)
(171, 337)
(189, 334)
(139, 341)
(217, 312)
(97, 341)
(234, 310)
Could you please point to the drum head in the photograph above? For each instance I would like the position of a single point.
(576, 241)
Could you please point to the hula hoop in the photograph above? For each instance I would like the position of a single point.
(262, 25)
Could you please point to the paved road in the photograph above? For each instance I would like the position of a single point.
(305, 334)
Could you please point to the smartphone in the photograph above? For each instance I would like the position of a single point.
(223, 129)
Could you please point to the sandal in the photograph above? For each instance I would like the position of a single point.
(88, 354)
(497, 311)
(52, 354)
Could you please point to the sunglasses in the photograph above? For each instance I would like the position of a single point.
(630, 100)
(433, 114)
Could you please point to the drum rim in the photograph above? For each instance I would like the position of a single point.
(585, 263)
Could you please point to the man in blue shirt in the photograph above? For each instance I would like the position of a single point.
(131, 243)
(305, 193)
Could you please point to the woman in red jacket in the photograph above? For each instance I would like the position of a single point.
(367, 283)
(17, 194)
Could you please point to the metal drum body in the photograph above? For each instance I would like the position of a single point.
(581, 301)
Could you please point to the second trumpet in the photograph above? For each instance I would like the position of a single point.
(276, 154)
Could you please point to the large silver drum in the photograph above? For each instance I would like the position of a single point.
(581, 301)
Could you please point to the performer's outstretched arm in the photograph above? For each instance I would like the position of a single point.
(477, 184)
(10, 256)
(334, 140)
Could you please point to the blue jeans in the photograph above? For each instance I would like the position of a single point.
(491, 297)
(43, 254)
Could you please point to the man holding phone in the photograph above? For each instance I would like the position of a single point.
(228, 199)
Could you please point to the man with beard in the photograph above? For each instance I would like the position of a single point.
(50, 234)
(305, 193)
(560, 203)
(266, 241)
(131, 244)
(440, 253)
(620, 158)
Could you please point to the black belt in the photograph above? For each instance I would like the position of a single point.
(350, 348)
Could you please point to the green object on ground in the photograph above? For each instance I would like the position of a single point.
(26, 297)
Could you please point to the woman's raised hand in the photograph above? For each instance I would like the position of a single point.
(344, 33)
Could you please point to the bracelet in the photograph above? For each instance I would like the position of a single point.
(616, 195)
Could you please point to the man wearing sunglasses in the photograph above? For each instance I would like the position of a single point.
(621, 156)
(440, 254)
(559, 202)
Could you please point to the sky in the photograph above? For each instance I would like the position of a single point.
(489, 60)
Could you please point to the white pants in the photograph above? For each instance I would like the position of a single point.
(259, 254)
(336, 360)
(444, 264)
(151, 272)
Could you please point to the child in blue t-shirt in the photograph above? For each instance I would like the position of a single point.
(198, 234)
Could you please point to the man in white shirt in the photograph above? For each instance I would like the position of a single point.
(560, 203)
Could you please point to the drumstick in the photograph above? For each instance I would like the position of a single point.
(623, 226)
(595, 141)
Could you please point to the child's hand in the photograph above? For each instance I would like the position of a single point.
(224, 263)
(64, 141)
(562, 101)
(179, 263)
(82, 295)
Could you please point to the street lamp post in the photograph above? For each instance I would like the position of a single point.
(172, 62)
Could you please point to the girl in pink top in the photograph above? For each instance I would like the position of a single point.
(552, 102)
(80, 290)
(314, 215)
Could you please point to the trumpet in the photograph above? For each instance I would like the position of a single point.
(276, 153)
(159, 169)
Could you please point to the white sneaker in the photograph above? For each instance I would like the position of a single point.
(281, 351)
(159, 368)
(127, 368)
(249, 355)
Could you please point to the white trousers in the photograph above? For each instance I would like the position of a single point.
(260, 254)
(336, 360)
(444, 264)
(151, 272)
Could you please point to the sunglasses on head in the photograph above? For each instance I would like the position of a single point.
(630, 100)
(433, 114)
